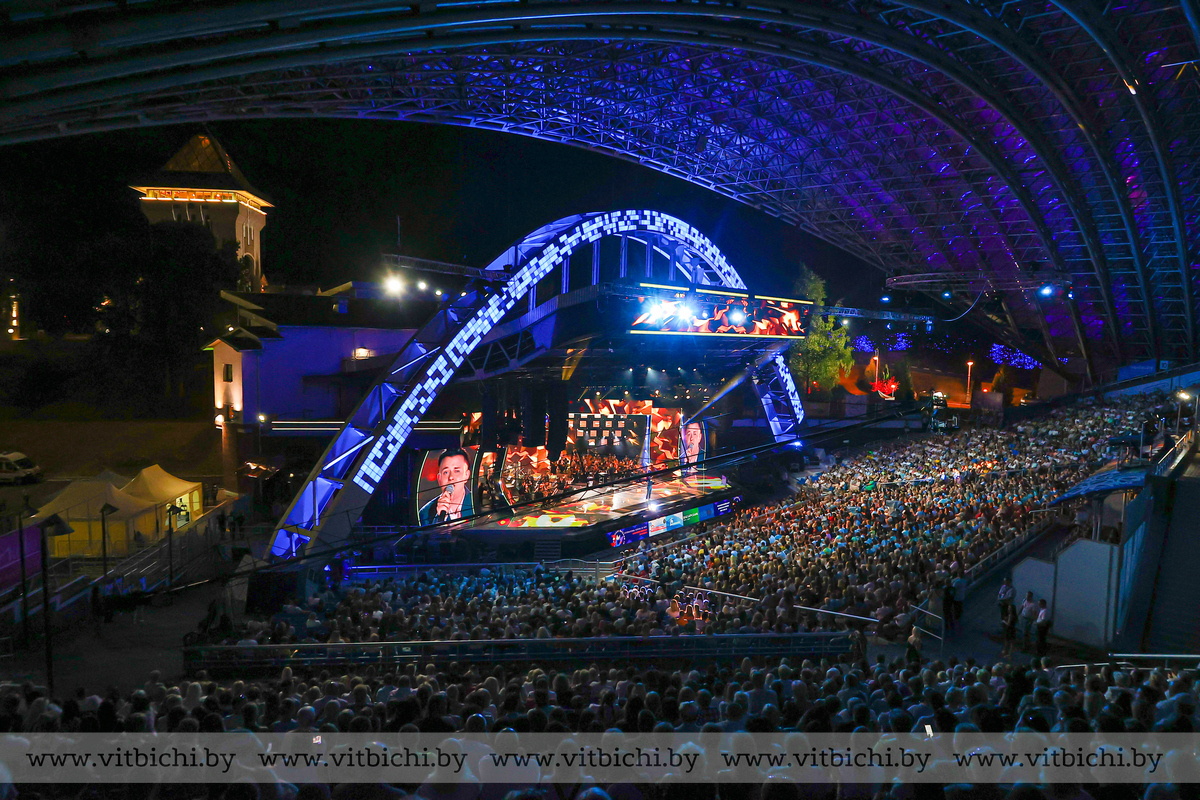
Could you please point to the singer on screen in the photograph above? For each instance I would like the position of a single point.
(693, 443)
(454, 499)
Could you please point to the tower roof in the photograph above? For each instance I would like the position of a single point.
(202, 163)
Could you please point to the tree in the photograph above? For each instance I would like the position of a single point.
(824, 355)
(903, 374)
(160, 296)
(1003, 383)
(245, 281)
(809, 285)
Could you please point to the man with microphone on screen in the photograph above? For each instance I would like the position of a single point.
(454, 500)
(693, 439)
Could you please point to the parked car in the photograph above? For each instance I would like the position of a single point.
(18, 468)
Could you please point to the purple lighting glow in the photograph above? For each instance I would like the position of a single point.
(999, 354)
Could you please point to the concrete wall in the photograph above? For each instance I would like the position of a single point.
(1084, 593)
(1034, 575)
(271, 381)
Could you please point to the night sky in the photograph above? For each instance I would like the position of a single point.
(461, 195)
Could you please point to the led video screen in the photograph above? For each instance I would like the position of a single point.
(670, 522)
(720, 316)
(662, 426)
(446, 485)
(621, 435)
(693, 445)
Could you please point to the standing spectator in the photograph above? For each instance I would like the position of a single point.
(1007, 598)
(1043, 626)
(1029, 612)
(948, 605)
(913, 654)
(1010, 630)
(960, 594)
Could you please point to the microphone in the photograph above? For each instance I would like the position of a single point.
(443, 515)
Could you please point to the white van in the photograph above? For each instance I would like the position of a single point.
(18, 468)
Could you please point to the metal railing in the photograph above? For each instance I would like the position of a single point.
(687, 647)
(1169, 460)
(975, 573)
(148, 569)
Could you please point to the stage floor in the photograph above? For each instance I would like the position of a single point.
(591, 507)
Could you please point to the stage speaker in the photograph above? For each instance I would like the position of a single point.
(487, 423)
(533, 415)
(556, 436)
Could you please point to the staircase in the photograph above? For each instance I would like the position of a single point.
(1174, 625)
(547, 550)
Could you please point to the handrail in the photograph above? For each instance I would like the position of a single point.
(144, 568)
(1170, 459)
(751, 599)
(1190, 656)
(553, 642)
(683, 647)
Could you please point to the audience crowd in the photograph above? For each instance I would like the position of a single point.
(861, 550)
(877, 537)
(795, 696)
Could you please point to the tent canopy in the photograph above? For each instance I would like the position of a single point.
(84, 499)
(156, 485)
(1107, 482)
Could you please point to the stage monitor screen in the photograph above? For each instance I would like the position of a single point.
(693, 445)
(620, 435)
(662, 425)
(719, 316)
(446, 485)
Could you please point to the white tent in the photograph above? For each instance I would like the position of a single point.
(155, 485)
(79, 506)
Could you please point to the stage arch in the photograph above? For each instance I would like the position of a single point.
(332, 499)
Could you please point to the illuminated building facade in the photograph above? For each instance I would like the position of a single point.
(201, 184)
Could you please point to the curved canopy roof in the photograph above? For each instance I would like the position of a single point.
(1015, 145)
(155, 485)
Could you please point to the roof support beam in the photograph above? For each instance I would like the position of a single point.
(1108, 41)
(989, 29)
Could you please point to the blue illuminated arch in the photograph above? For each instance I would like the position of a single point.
(336, 491)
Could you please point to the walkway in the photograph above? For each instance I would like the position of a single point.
(123, 656)
(1174, 625)
(978, 633)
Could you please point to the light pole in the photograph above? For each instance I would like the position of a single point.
(1183, 397)
(52, 525)
(969, 365)
(172, 510)
(26, 507)
(105, 510)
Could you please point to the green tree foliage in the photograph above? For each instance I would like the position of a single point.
(245, 281)
(903, 373)
(824, 355)
(160, 300)
(1003, 383)
(809, 285)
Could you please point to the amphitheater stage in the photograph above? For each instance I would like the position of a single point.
(589, 519)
